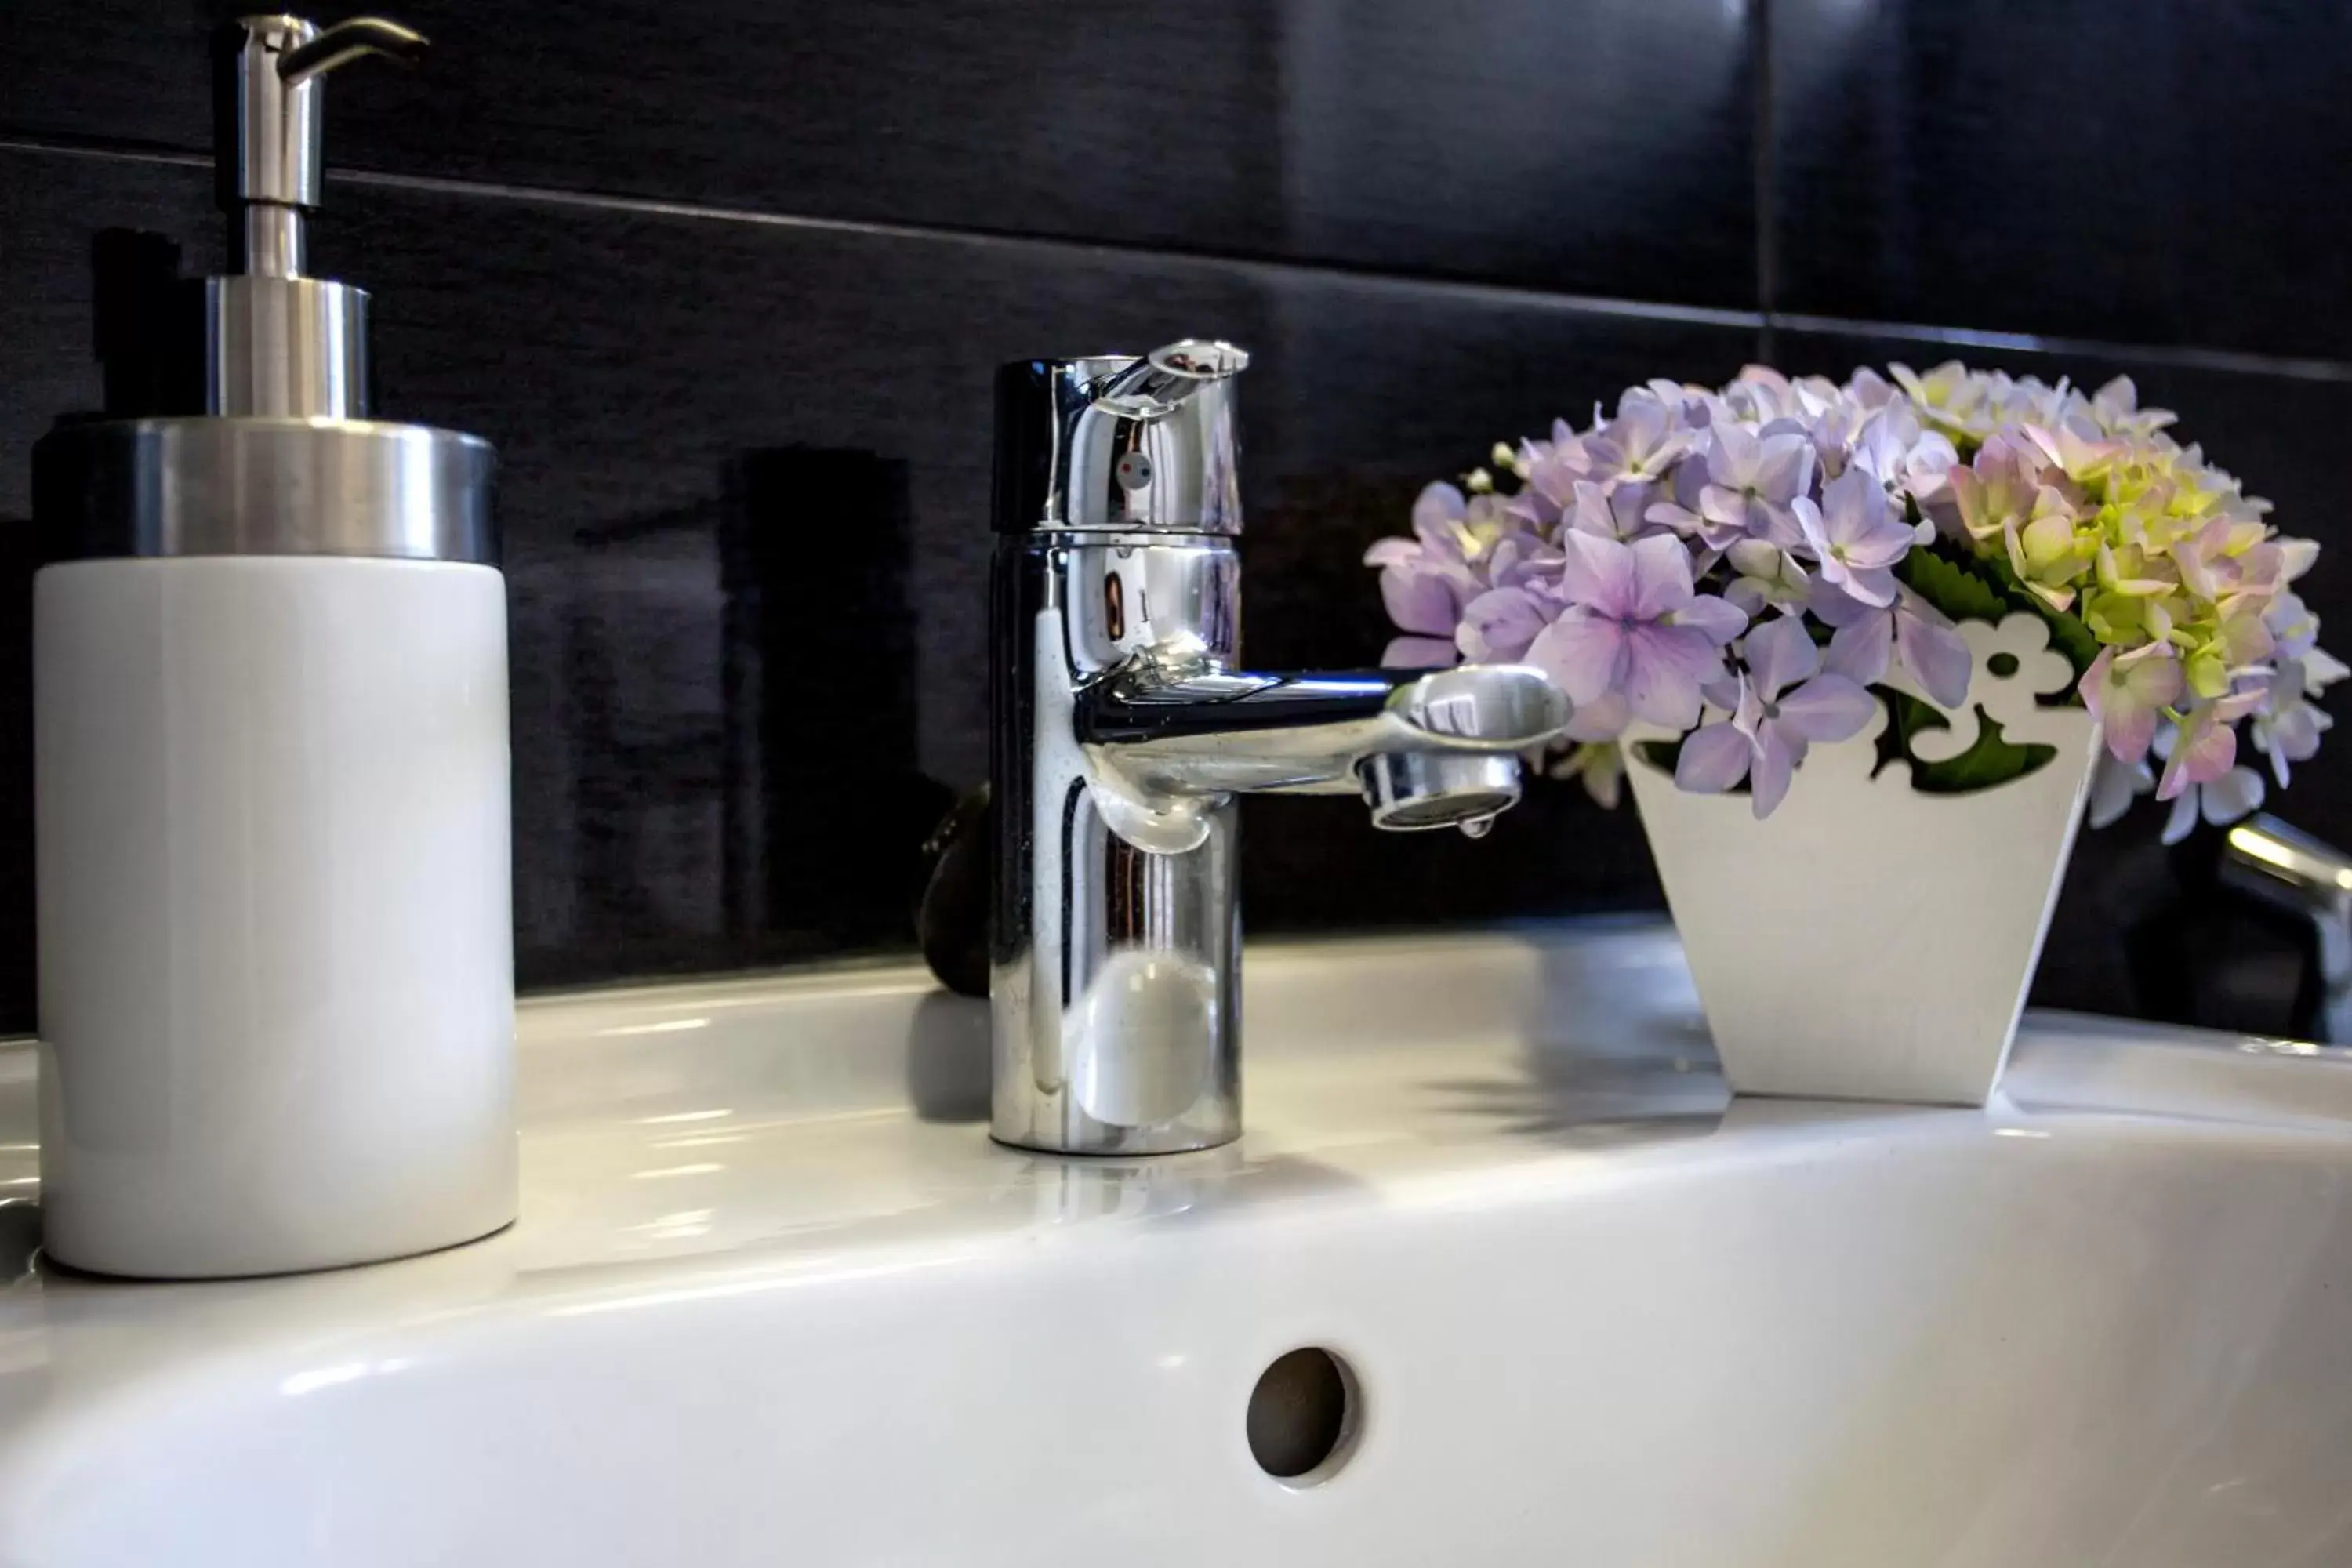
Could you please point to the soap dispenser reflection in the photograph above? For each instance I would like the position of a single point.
(271, 773)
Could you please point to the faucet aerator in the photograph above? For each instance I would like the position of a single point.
(1410, 792)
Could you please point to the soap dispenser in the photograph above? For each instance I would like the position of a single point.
(277, 1003)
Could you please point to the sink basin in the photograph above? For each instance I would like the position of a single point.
(775, 1299)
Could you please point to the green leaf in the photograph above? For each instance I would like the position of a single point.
(2070, 637)
(1992, 760)
(1906, 716)
(1951, 586)
(1985, 589)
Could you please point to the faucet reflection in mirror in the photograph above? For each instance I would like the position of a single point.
(1123, 730)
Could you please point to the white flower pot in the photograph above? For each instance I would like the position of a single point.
(1869, 941)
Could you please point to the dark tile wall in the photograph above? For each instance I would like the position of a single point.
(726, 283)
(1504, 138)
(2154, 171)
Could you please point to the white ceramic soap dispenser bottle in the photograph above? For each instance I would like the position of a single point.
(271, 779)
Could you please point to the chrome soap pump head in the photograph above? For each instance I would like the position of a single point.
(268, 448)
(277, 343)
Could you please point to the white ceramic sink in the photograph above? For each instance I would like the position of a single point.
(776, 1300)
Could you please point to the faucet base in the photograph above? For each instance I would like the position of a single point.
(1140, 1052)
(1143, 1141)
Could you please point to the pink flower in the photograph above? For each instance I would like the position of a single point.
(2221, 799)
(2127, 693)
(1996, 490)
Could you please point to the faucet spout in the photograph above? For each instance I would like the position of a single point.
(1196, 730)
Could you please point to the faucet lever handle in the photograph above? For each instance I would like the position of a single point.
(1159, 384)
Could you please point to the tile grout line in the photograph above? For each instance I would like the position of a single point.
(1767, 173)
(659, 206)
(1222, 261)
(2181, 356)
(2190, 357)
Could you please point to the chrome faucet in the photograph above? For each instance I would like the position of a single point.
(2290, 870)
(1123, 730)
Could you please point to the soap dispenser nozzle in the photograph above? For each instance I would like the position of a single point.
(277, 341)
(274, 104)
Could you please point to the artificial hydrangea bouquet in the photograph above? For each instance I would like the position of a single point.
(1757, 569)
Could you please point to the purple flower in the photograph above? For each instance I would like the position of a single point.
(1761, 395)
(1498, 625)
(1603, 721)
(2126, 694)
(2294, 630)
(2114, 787)
(2203, 747)
(1619, 513)
(1639, 443)
(1635, 629)
(1890, 447)
(1423, 597)
(2219, 801)
(2221, 796)
(1768, 577)
(1782, 706)
(1855, 536)
(1798, 501)
(1751, 480)
(2287, 726)
(1868, 389)
(1551, 469)
(1867, 640)
(1461, 547)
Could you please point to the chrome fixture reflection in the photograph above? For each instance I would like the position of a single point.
(2290, 870)
(1123, 731)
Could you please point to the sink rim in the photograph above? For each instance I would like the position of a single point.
(815, 1191)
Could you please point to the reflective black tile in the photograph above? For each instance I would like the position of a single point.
(2155, 172)
(744, 483)
(1605, 147)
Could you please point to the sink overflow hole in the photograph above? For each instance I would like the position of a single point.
(1303, 1416)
